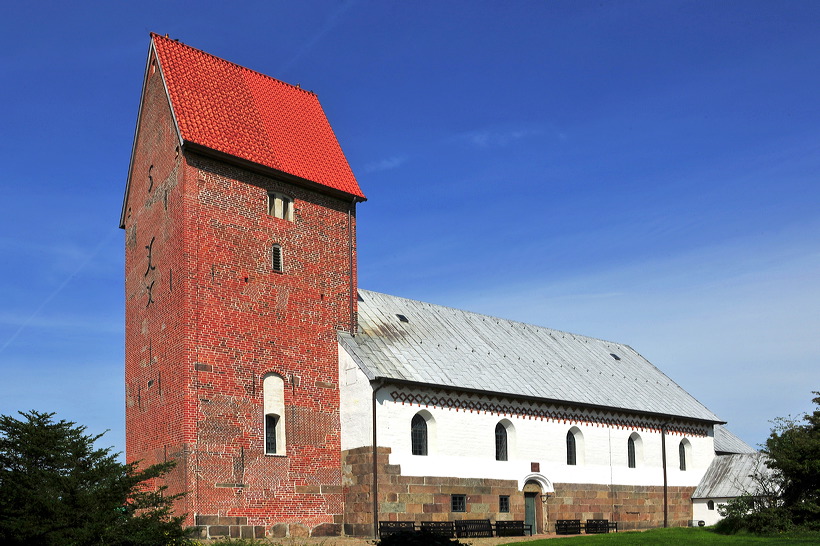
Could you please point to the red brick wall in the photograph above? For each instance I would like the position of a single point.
(159, 419)
(221, 319)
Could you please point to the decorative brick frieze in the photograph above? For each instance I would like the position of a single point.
(510, 406)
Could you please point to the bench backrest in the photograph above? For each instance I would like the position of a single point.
(442, 528)
(597, 526)
(474, 528)
(390, 527)
(514, 528)
(568, 527)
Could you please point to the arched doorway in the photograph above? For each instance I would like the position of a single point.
(532, 502)
(536, 490)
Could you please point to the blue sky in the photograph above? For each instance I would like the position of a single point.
(643, 172)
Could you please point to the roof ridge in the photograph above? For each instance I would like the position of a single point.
(574, 334)
(237, 65)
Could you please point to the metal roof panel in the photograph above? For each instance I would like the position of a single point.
(460, 349)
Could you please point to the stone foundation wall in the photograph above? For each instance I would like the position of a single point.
(417, 498)
(215, 527)
(632, 506)
(427, 498)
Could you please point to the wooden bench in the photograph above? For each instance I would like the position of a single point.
(512, 529)
(473, 528)
(596, 526)
(568, 527)
(390, 527)
(441, 528)
(613, 526)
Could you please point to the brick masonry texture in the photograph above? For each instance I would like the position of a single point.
(207, 318)
(632, 506)
(427, 498)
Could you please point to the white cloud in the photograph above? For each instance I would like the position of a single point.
(486, 138)
(385, 164)
(82, 323)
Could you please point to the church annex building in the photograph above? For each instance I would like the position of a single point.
(297, 404)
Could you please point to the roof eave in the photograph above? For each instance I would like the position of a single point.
(199, 149)
(661, 416)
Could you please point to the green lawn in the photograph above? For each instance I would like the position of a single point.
(678, 535)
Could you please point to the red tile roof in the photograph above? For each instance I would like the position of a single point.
(232, 109)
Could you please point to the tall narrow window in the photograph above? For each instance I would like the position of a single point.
(710, 505)
(273, 393)
(270, 433)
(418, 435)
(682, 455)
(280, 206)
(500, 442)
(276, 258)
(571, 454)
(630, 453)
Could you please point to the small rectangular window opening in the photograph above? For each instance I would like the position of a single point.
(280, 206)
(276, 258)
(402, 318)
(458, 503)
(504, 503)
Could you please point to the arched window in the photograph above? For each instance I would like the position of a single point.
(575, 446)
(418, 435)
(276, 258)
(634, 450)
(500, 442)
(571, 448)
(273, 393)
(710, 505)
(684, 453)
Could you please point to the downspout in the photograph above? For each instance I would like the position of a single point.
(665, 483)
(375, 489)
(352, 286)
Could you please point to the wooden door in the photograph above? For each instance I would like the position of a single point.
(530, 505)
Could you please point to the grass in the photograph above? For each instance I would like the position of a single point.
(679, 535)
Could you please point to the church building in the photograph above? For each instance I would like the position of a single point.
(297, 404)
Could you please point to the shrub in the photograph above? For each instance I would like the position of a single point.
(56, 488)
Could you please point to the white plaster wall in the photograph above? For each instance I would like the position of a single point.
(700, 510)
(463, 445)
(355, 398)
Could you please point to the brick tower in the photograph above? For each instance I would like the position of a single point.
(240, 267)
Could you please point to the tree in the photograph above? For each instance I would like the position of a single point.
(794, 452)
(57, 488)
(787, 496)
